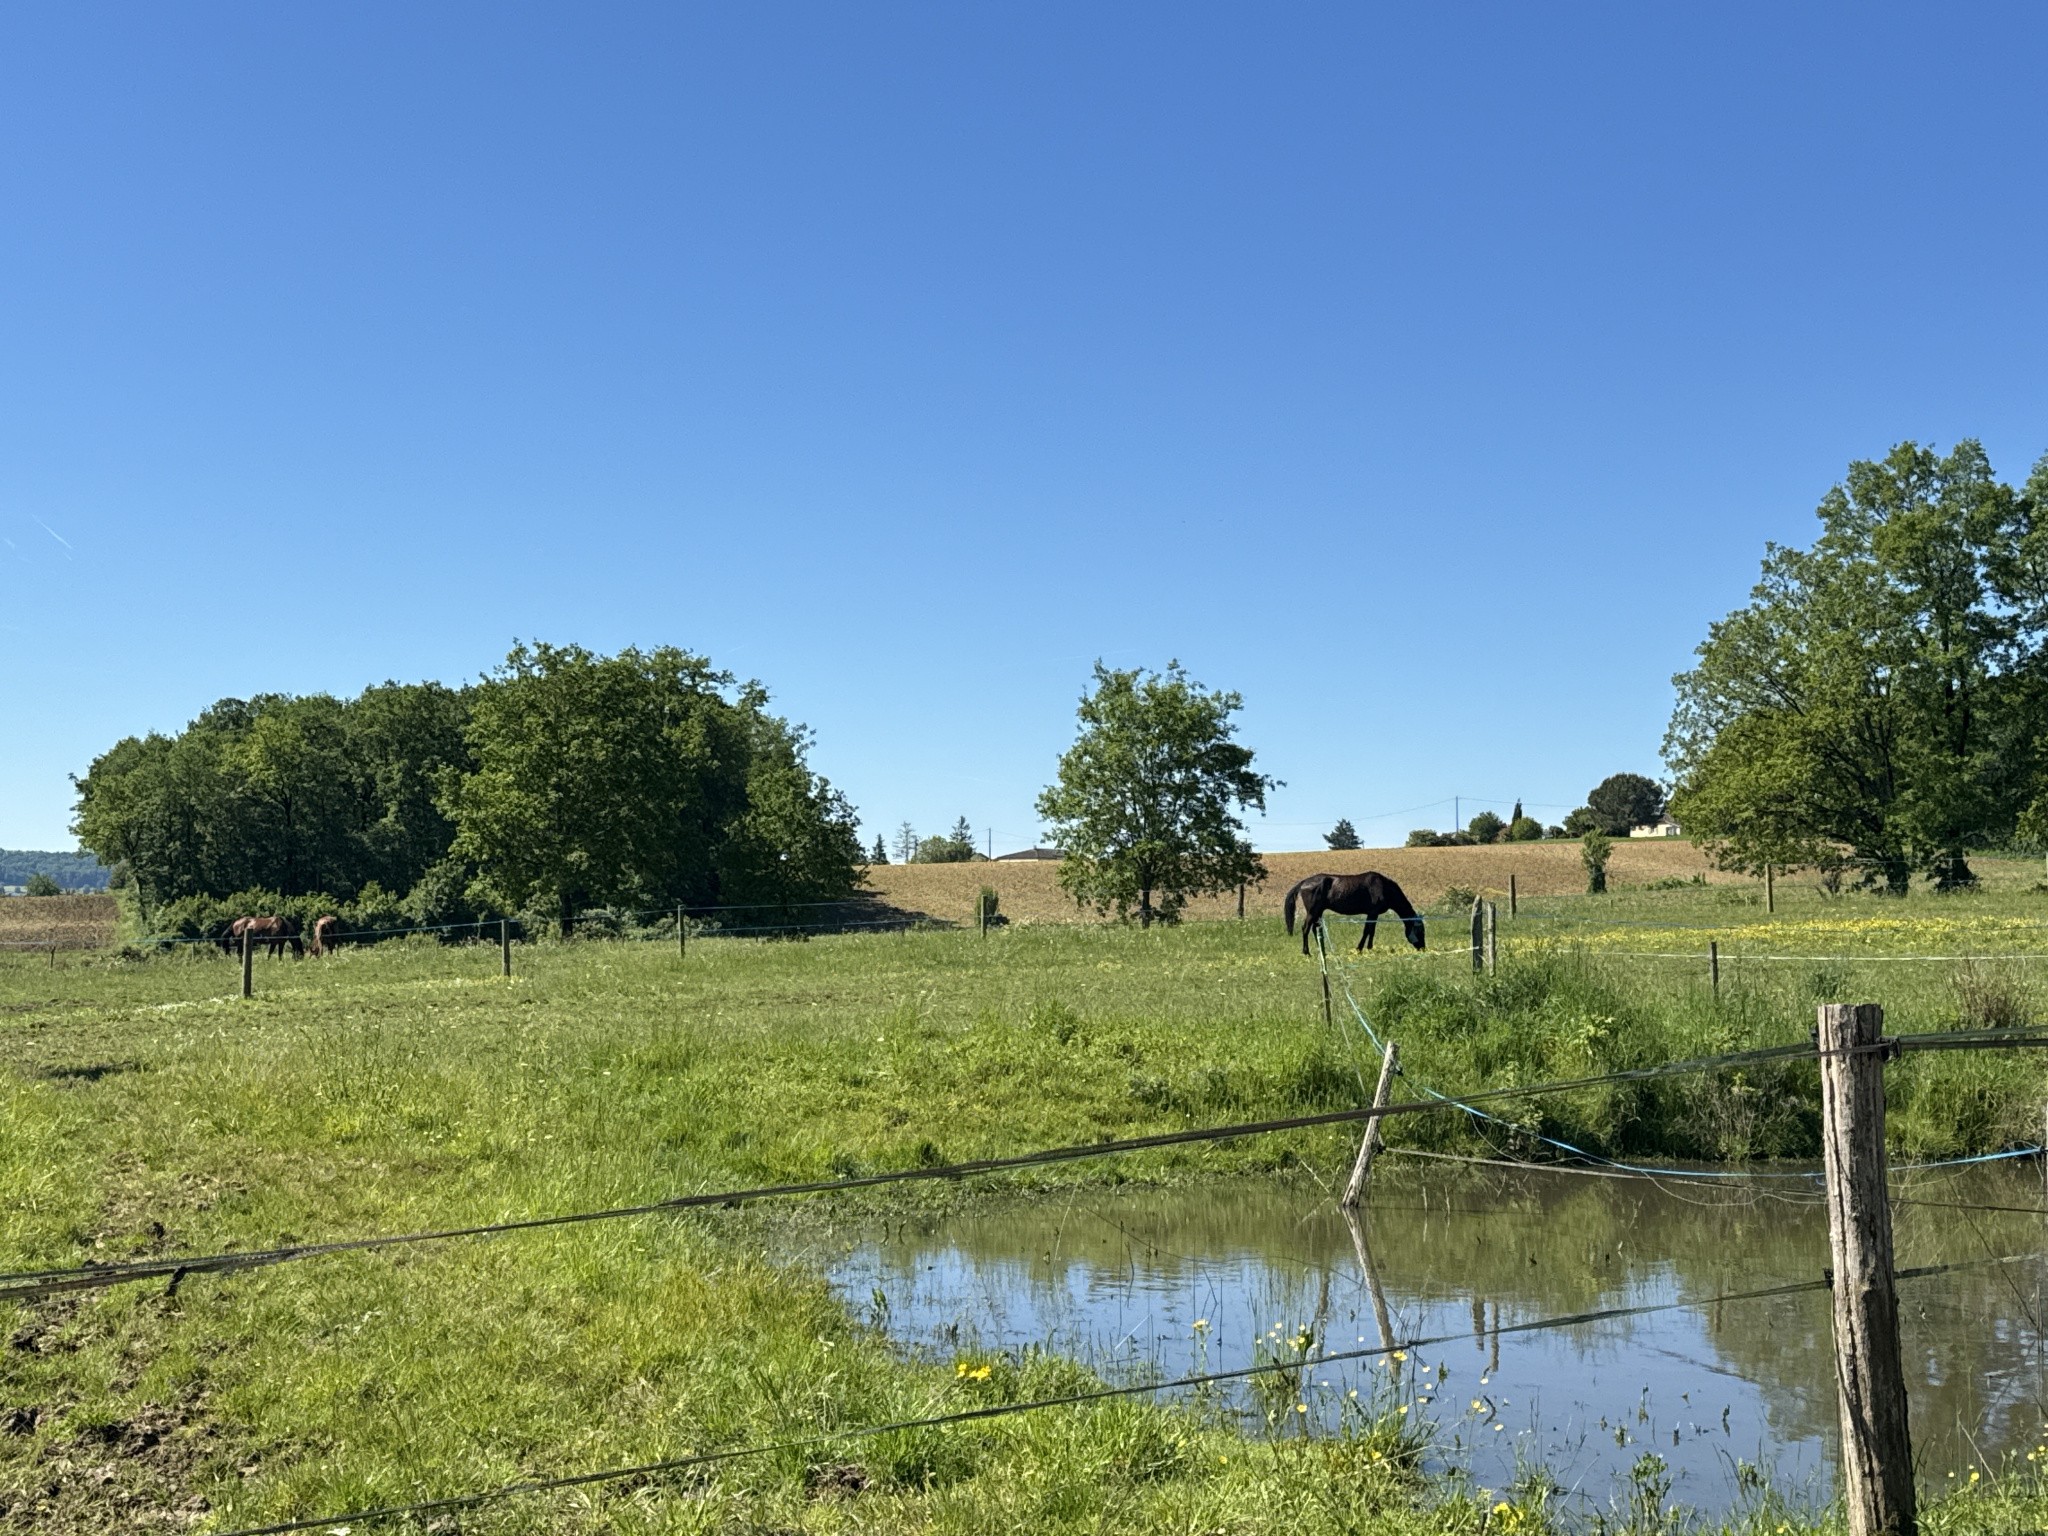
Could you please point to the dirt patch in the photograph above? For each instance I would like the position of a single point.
(1029, 891)
(137, 1473)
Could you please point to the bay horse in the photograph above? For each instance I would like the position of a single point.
(1366, 895)
(273, 932)
(324, 930)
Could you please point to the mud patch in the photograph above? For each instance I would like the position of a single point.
(138, 1473)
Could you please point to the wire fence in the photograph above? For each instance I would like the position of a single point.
(670, 1466)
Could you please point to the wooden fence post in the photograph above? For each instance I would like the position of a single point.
(1492, 937)
(1240, 901)
(1323, 953)
(1362, 1169)
(1770, 888)
(1512, 905)
(505, 944)
(1877, 1456)
(682, 935)
(248, 978)
(1714, 966)
(1478, 935)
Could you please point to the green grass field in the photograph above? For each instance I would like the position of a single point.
(146, 1110)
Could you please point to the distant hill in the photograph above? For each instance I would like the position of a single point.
(73, 871)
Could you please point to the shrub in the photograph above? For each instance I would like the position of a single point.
(41, 884)
(1990, 996)
(1485, 827)
(1597, 848)
(1524, 829)
(1459, 898)
(375, 912)
(441, 896)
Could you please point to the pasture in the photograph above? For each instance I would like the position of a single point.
(145, 1110)
(1030, 893)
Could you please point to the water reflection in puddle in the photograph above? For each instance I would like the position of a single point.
(1122, 1280)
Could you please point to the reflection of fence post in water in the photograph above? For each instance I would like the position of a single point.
(1381, 1318)
(1870, 1378)
(1361, 1170)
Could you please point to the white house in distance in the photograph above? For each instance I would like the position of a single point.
(1663, 826)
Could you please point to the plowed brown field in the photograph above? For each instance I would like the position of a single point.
(1029, 889)
(69, 922)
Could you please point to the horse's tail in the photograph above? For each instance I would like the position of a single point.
(1288, 906)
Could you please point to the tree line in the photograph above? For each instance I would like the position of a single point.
(1879, 707)
(564, 780)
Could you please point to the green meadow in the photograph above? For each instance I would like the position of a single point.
(145, 1109)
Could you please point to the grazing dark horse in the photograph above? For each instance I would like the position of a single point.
(1366, 895)
(324, 931)
(273, 932)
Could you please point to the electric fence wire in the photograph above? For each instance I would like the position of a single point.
(1951, 1040)
(672, 1465)
(32, 1284)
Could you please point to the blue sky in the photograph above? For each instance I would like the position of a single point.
(1431, 375)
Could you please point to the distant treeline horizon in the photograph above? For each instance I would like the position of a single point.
(73, 871)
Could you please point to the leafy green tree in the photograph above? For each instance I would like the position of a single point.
(1624, 800)
(1486, 827)
(42, 884)
(641, 779)
(287, 794)
(1594, 851)
(1342, 837)
(1143, 809)
(956, 847)
(1523, 829)
(1883, 691)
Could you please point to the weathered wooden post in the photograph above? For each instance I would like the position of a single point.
(1770, 888)
(1877, 1454)
(1492, 937)
(248, 976)
(1511, 894)
(1323, 953)
(1362, 1169)
(1714, 966)
(1240, 901)
(682, 936)
(505, 945)
(1478, 935)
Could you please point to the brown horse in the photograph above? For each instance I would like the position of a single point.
(324, 930)
(273, 932)
(1368, 894)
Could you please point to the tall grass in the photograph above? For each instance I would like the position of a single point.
(145, 1109)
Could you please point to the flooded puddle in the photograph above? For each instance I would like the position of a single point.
(1158, 1284)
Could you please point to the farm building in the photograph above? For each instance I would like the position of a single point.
(1663, 826)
